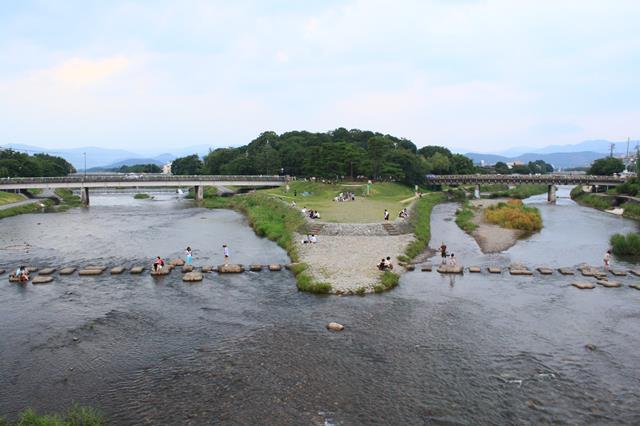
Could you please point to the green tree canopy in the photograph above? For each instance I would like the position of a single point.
(606, 166)
(190, 165)
(18, 164)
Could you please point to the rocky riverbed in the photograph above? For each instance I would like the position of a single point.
(490, 237)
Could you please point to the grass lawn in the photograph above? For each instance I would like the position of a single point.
(8, 197)
(365, 209)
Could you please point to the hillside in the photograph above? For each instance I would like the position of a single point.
(561, 160)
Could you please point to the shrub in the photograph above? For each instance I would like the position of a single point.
(141, 196)
(631, 210)
(422, 224)
(626, 245)
(514, 215)
(464, 218)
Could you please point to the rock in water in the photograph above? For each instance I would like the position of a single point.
(410, 267)
(31, 269)
(100, 268)
(137, 270)
(2, 271)
(67, 271)
(334, 326)
(42, 279)
(162, 271)
(176, 262)
(545, 271)
(618, 272)
(187, 268)
(275, 267)
(635, 286)
(230, 269)
(206, 269)
(192, 276)
(255, 268)
(450, 269)
(609, 284)
(117, 270)
(426, 268)
(90, 272)
(474, 269)
(566, 271)
(583, 285)
(494, 270)
(47, 271)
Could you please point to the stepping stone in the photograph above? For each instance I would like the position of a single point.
(192, 277)
(635, 286)
(609, 284)
(230, 269)
(176, 262)
(545, 271)
(101, 268)
(90, 272)
(47, 271)
(494, 270)
(163, 271)
(206, 268)
(187, 268)
(117, 270)
(31, 269)
(410, 267)
(13, 279)
(42, 279)
(137, 270)
(618, 272)
(67, 271)
(426, 268)
(635, 272)
(566, 271)
(450, 269)
(275, 267)
(583, 285)
(2, 271)
(474, 269)
(255, 268)
(520, 271)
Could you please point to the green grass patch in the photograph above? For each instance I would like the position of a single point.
(626, 245)
(76, 416)
(519, 191)
(366, 208)
(141, 196)
(388, 281)
(631, 210)
(600, 202)
(464, 218)
(26, 208)
(9, 197)
(421, 220)
(514, 215)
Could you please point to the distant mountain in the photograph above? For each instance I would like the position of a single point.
(561, 160)
(599, 145)
(127, 162)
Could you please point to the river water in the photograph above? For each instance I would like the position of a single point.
(251, 349)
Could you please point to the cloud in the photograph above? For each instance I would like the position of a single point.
(82, 71)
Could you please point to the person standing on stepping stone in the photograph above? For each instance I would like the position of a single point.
(226, 253)
(188, 254)
(443, 252)
(607, 259)
(386, 214)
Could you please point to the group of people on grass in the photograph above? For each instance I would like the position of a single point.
(159, 263)
(311, 214)
(310, 239)
(345, 196)
(385, 264)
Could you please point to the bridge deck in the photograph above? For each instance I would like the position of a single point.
(553, 179)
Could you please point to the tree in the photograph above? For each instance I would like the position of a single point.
(438, 164)
(431, 150)
(189, 165)
(377, 148)
(502, 168)
(606, 166)
(461, 165)
(540, 166)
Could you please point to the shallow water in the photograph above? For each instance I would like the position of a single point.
(251, 349)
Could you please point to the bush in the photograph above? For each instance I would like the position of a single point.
(141, 196)
(389, 280)
(422, 224)
(514, 215)
(631, 210)
(464, 218)
(76, 416)
(626, 245)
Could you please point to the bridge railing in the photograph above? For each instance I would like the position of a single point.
(145, 178)
(550, 179)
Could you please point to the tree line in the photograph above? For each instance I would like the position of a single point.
(337, 154)
(533, 167)
(18, 164)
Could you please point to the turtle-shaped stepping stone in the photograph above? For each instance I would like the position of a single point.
(117, 270)
(474, 269)
(192, 277)
(255, 267)
(230, 269)
(618, 272)
(275, 267)
(410, 267)
(31, 269)
(207, 268)
(635, 272)
(47, 271)
(545, 271)
(176, 262)
(450, 269)
(520, 270)
(187, 268)
(136, 270)
(42, 279)
(162, 271)
(583, 285)
(67, 271)
(566, 271)
(494, 270)
(426, 268)
(609, 284)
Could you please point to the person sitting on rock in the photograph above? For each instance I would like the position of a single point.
(381, 265)
(158, 264)
(307, 240)
(22, 274)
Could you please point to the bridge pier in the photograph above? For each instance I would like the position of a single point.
(84, 196)
(476, 191)
(199, 192)
(551, 194)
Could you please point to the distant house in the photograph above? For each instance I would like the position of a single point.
(166, 169)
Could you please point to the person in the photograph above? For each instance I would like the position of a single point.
(226, 253)
(304, 210)
(189, 255)
(381, 265)
(452, 260)
(607, 259)
(316, 215)
(22, 274)
(158, 264)
(293, 204)
(387, 263)
(443, 252)
(313, 239)
(386, 214)
(307, 240)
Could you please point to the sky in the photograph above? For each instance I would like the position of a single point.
(471, 75)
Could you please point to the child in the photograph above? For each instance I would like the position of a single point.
(607, 259)
(226, 253)
(158, 264)
(189, 255)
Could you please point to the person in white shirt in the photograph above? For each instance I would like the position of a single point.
(313, 238)
(607, 259)
(226, 253)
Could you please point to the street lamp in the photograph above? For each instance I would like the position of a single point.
(85, 166)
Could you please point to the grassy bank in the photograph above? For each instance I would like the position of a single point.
(9, 197)
(514, 215)
(76, 416)
(69, 200)
(464, 218)
(271, 218)
(600, 202)
(421, 220)
(519, 191)
(626, 245)
(26, 208)
(141, 196)
(388, 281)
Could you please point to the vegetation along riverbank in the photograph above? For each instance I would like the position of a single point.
(626, 245)
(617, 198)
(75, 416)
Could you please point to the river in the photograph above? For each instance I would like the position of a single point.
(251, 349)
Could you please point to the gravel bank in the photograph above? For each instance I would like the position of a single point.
(492, 238)
(349, 262)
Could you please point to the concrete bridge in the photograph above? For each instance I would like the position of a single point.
(551, 180)
(84, 183)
